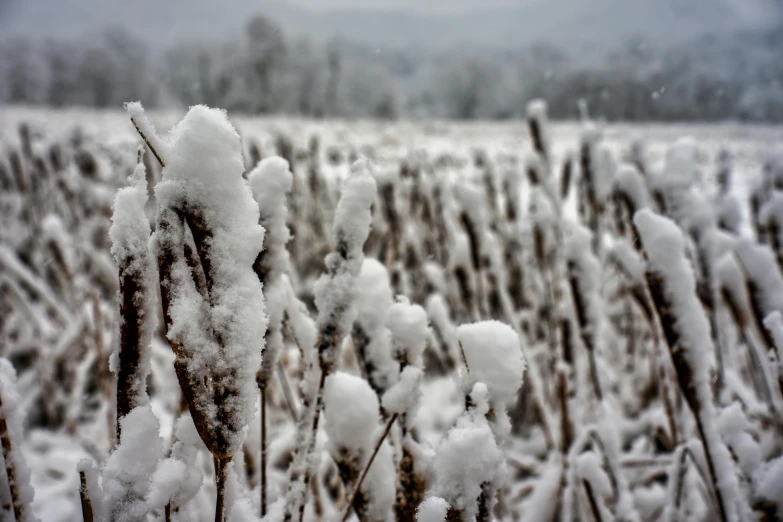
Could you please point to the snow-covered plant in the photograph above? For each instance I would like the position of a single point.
(686, 329)
(126, 484)
(352, 422)
(11, 437)
(130, 234)
(207, 238)
(270, 181)
(584, 272)
(468, 465)
(334, 295)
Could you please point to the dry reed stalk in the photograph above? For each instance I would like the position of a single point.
(685, 375)
(592, 502)
(566, 422)
(87, 514)
(586, 162)
(566, 176)
(681, 470)
(668, 405)
(474, 240)
(19, 506)
(586, 331)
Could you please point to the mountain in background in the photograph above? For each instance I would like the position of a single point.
(583, 25)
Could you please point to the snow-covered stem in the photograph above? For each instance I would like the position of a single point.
(583, 273)
(676, 472)
(686, 329)
(130, 233)
(334, 296)
(146, 130)
(595, 508)
(537, 126)
(16, 469)
(270, 181)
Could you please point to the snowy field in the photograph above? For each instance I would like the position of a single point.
(509, 321)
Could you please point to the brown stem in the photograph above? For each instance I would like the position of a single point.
(20, 510)
(593, 502)
(263, 450)
(87, 515)
(147, 141)
(221, 468)
(358, 485)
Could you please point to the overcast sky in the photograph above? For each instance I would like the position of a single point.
(582, 24)
(408, 5)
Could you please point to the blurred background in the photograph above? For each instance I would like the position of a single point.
(665, 60)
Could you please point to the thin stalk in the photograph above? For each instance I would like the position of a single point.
(263, 450)
(358, 485)
(147, 141)
(221, 468)
(290, 401)
(592, 501)
(20, 509)
(87, 515)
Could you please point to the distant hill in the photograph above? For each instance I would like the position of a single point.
(584, 25)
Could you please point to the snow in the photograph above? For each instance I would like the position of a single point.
(629, 182)
(540, 505)
(350, 411)
(270, 181)
(433, 509)
(409, 330)
(353, 216)
(760, 268)
(493, 356)
(373, 294)
(403, 397)
(178, 479)
(126, 474)
(769, 483)
(352, 424)
(629, 259)
(467, 458)
(774, 323)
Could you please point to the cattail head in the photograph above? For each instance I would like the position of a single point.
(672, 287)
(215, 334)
(130, 234)
(537, 125)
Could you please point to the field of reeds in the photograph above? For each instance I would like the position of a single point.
(298, 321)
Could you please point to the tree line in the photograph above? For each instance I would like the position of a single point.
(264, 71)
